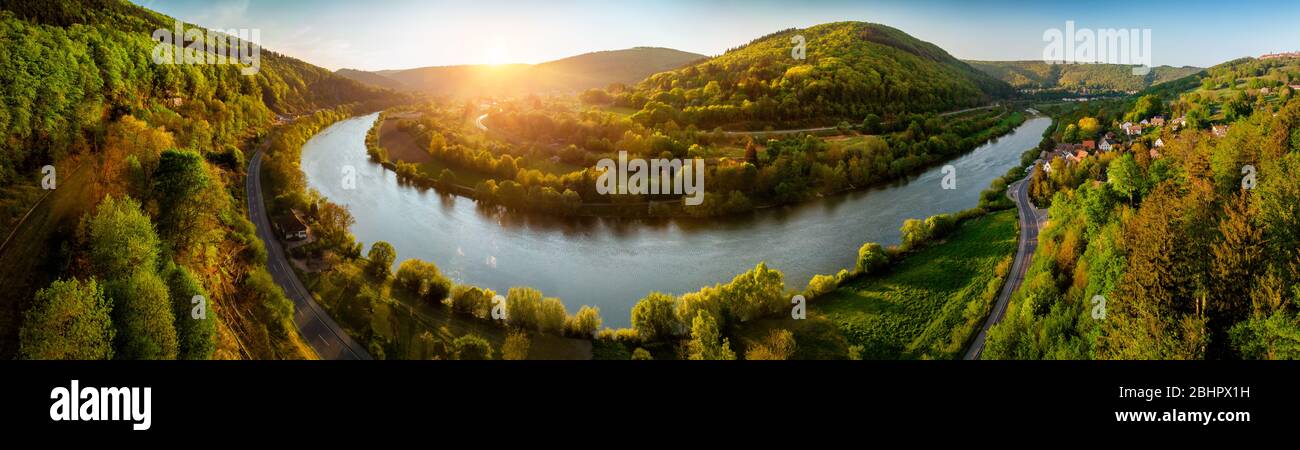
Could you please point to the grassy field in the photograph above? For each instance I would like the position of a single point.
(918, 308)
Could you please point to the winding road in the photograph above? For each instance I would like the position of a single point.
(325, 336)
(1031, 221)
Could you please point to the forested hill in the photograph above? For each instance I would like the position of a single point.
(68, 67)
(850, 70)
(1106, 77)
(568, 75)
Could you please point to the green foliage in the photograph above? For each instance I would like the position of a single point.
(852, 69)
(655, 317)
(121, 238)
(70, 319)
(424, 280)
(640, 354)
(871, 258)
(142, 312)
(1069, 77)
(180, 177)
(382, 255)
(195, 336)
(585, 323)
(471, 348)
(707, 342)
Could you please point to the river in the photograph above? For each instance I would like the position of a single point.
(612, 263)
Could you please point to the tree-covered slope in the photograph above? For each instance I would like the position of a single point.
(850, 69)
(67, 66)
(1108, 77)
(148, 211)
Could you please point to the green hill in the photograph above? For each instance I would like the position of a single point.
(850, 70)
(568, 75)
(1107, 77)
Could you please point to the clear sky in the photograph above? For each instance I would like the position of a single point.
(396, 34)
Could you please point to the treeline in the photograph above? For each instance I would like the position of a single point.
(778, 171)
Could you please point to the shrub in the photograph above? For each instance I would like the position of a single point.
(515, 347)
(471, 301)
(654, 317)
(471, 347)
(585, 323)
(820, 285)
(871, 258)
(424, 280)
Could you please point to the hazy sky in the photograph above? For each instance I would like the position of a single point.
(394, 34)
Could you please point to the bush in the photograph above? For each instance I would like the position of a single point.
(551, 316)
(471, 347)
(585, 323)
(523, 306)
(655, 318)
(779, 345)
(471, 301)
(871, 258)
(381, 256)
(640, 354)
(940, 225)
(516, 346)
(424, 280)
(820, 285)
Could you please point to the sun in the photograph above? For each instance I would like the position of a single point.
(497, 52)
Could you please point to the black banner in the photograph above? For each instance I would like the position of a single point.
(318, 399)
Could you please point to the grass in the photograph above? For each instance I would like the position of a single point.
(914, 309)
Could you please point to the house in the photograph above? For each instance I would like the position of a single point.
(1090, 144)
(1131, 129)
(1179, 122)
(1079, 155)
(1155, 154)
(1158, 121)
(1047, 166)
(1145, 122)
(1105, 145)
(1219, 130)
(1160, 143)
(291, 226)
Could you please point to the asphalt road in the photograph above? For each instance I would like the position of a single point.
(1031, 221)
(325, 336)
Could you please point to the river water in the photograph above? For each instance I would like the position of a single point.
(612, 263)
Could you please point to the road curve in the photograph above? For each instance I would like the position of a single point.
(1031, 221)
(325, 336)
